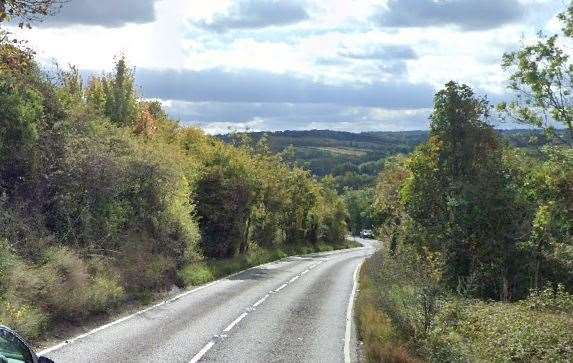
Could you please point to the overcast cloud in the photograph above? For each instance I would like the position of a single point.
(263, 87)
(351, 65)
(255, 14)
(106, 13)
(466, 14)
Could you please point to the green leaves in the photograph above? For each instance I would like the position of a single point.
(542, 77)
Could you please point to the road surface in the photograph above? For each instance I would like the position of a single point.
(293, 310)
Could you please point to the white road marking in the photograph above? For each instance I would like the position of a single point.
(202, 352)
(131, 316)
(281, 287)
(121, 320)
(348, 331)
(261, 300)
(183, 294)
(235, 322)
(294, 279)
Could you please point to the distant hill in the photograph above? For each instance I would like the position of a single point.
(332, 152)
(355, 159)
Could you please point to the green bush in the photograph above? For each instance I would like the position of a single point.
(65, 284)
(399, 307)
(144, 271)
(6, 261)
(28, 320)
(500, 332)
(195, 274)
(550, 300)
(104, 293)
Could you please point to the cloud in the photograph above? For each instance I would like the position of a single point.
(222, 117)
(466, 14)
(217, 85)
(253, 14)
(106, 13)
(385, 52)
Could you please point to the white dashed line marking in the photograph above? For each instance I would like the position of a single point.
(235, 322)
(202, 352)
(209, 345)
(281, 287)
(261, 300)
(294, 279)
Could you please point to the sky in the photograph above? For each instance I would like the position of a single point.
(266, 65)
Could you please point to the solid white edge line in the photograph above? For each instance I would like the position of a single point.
(121, 320)
(202, 352)
(349, 316)
(235, 322)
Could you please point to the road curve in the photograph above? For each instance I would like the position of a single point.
(293, 310)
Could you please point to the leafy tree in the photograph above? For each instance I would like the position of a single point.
(28, 10)
(22, 110)
(71, 89)
(95, 95)
(458, 196)
(359, 207)
(121, 99)
(542, 77)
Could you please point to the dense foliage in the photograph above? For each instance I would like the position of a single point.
(103, 198)
(500, 220)
(477, 262)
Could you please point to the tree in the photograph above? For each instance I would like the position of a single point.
(458, 195)
(121, 98)
(359, 207)
(28, 10)
(96, 95)
(22, 111)
(542, 77)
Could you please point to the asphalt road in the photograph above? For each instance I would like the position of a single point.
(293, 310)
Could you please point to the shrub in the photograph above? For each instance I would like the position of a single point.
(195, 274)
(65, 284)
(142, 269)
(550, 300)
(6, 261)
(104, 293)
(26, 319)
(494, 331)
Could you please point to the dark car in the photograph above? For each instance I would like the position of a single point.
(14, 349)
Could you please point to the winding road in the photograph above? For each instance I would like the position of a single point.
(298, 309)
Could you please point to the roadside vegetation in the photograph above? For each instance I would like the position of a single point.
(477, 263)
(105, 200)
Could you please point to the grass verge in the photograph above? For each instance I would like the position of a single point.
(199, 273)
(395, 327)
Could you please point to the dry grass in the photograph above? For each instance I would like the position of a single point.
(381, 342)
